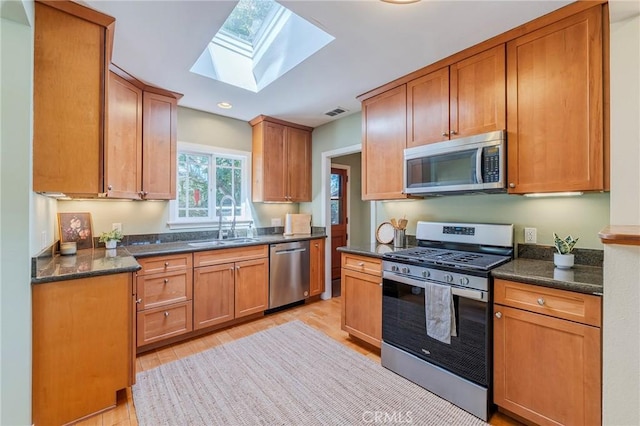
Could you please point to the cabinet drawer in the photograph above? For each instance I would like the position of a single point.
(176, 262)
(579, 307)
(216, 257)
(368, 265)
(163, 289)
(164, 322)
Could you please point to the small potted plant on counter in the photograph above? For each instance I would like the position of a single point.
(563, 259)
(111, 238)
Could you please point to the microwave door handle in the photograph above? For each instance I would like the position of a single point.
(479, 166)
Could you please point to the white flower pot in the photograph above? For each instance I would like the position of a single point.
(563, 261)
(111, 244)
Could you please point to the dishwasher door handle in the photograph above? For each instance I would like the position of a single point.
(289, 251)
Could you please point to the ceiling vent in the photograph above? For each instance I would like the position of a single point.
(336, 111)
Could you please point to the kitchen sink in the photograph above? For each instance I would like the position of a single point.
(230, 241)
(207, 243)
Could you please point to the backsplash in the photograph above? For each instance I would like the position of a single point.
(589, 257)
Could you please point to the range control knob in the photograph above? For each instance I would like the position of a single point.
(464, 281)
(394, 268)
(426, 274)
(405, 270)
(448, 278)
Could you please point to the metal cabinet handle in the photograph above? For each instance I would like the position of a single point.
(498, 315)
(453, 132)
(138, 301)
(166, 314)
(237, 268)
(541, 301)
(512, 185)
(360, 263)
(166, 264)
(445, 134)
(231, 269)
(166, 280)
(109, 187)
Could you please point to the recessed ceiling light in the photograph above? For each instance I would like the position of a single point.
(225, 105)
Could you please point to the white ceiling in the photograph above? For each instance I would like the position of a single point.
(376, 42)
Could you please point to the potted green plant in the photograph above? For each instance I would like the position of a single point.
(111, 238)
(563, 259)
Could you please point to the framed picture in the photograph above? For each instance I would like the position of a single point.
(76, 227)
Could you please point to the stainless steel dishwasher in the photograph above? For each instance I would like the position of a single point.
(288, 273)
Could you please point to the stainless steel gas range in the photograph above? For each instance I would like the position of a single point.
(436, 310)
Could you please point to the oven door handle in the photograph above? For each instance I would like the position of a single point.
(481, 296)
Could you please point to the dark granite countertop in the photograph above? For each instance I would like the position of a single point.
(86, 263)
(373, 249)
(147, 250)
(580, 278)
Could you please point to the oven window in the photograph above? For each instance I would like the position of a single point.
(457, 168)
(404, 326)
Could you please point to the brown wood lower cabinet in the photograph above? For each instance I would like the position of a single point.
(547, 368)
(362, 297)
(316, 269)
(82, 346)
(225, 290)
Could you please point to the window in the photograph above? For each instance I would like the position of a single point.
(208, 180)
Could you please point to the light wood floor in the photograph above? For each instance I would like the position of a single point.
(323, 315)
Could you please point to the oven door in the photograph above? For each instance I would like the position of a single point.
(404, 326)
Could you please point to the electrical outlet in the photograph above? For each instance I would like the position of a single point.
(276, 221)
(117, 226)
(530, 235)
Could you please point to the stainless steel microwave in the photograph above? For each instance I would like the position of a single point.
(471, 164)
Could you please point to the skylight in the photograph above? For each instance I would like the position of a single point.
(258, 43)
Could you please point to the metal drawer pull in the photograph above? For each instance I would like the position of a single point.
(541, 301)
(138, 301)
(166, 264)
(498, 315)
(360, 263)
(166, 280)
(166, 314)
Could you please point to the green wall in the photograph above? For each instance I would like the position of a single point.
(16, 34)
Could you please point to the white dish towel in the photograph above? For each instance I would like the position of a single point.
(440, 311)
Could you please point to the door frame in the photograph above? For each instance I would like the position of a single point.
(348, 212)
(325, 207)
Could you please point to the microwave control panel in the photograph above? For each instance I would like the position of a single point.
(491, 164)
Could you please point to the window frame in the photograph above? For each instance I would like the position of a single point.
(175, 222)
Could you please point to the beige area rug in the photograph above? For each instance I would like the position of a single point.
(287, 375)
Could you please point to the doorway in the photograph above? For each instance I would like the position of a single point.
(339, 205)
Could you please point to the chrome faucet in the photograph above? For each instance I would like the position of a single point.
(233, 224)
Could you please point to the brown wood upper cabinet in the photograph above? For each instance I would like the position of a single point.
(555, 102)
(71, 56)
(140, 160)
(384, 136)
(463, 99)
(97, 130)
(281, 161)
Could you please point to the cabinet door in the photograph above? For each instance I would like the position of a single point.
(428, 108)
(252, 287)
(213, 293)
(478, 98)
(159, 147)
(316, 269)
(546, 370)
(362, 306)
(82, 351)
(123, 145)
(298, 165)
(384, 139)
(275, 174)
(555, 104)
(68, 102)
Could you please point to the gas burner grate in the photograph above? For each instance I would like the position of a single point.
(452, 258)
